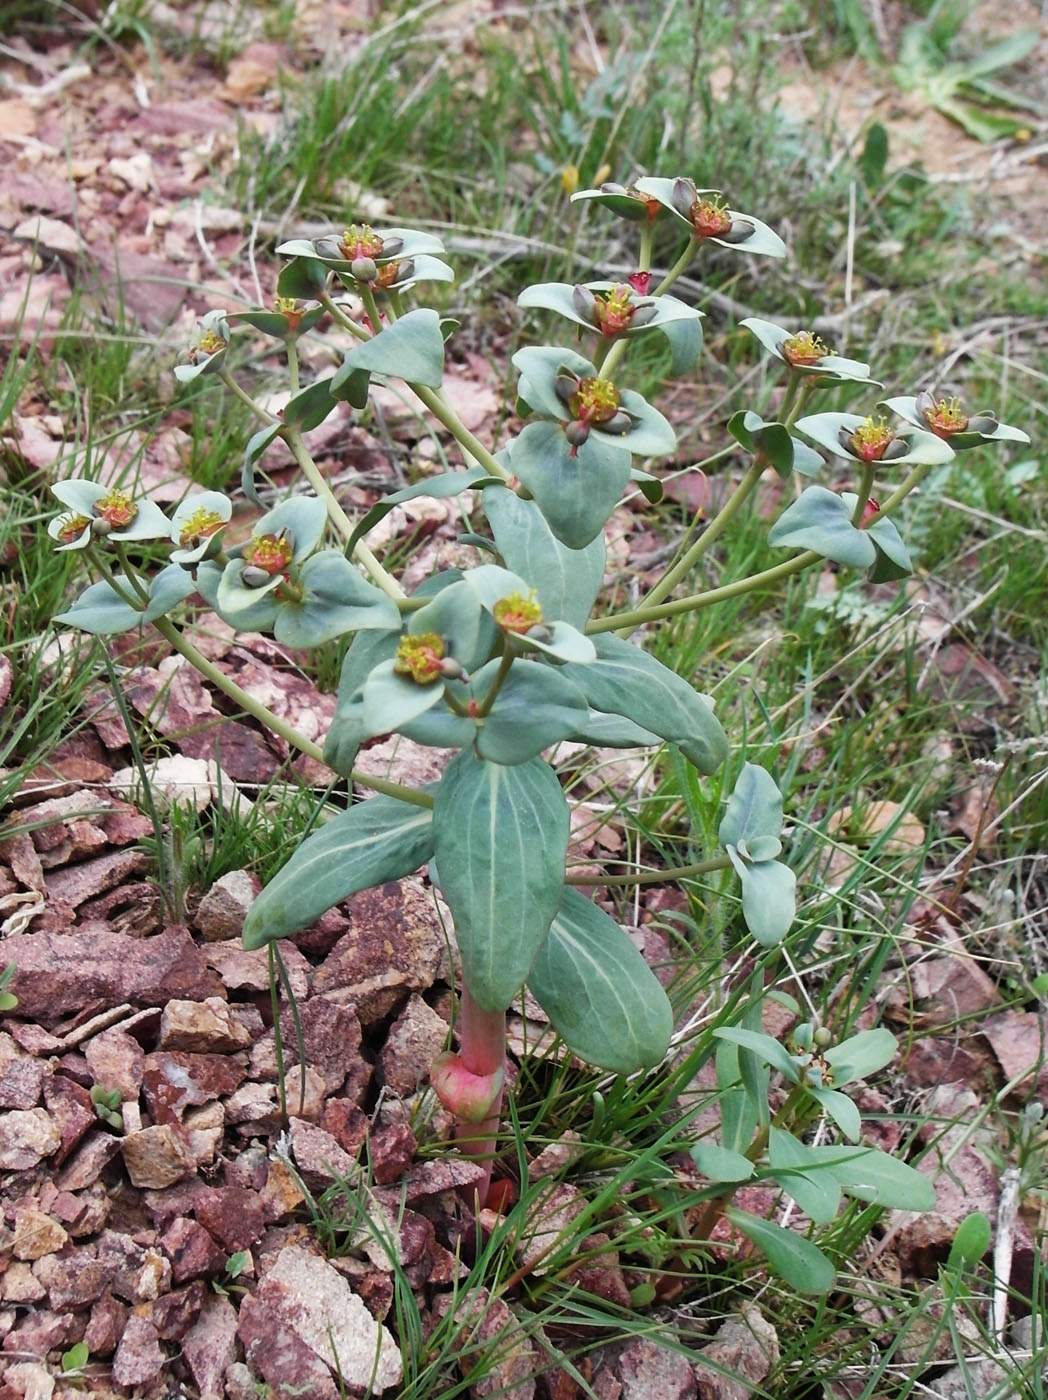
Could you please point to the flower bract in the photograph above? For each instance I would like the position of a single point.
(866, 440)
(104, 512)
(197, 525)
(707, 217)
(947, 419)
(804, 353)
(208, 350)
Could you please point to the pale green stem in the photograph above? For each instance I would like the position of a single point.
(367, 296)
(654, 877)
(696, 601)
(340, 316)
(132, 575)
(234, 388)
(361, 553)
(131, 599)
(709, 536)
(258, 711)
(865, 487)
(444, 414)
(505, 663)
(678, 267)
(647, 245)
(292, 365)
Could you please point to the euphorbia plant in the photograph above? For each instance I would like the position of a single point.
(504, 660)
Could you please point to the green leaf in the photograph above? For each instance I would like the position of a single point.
(796, 1260)
(820, 520)
(101, 611)
(893, 561)
(309, 408)
(971, 1241)
(754, 808)
(437, 487)
(256, 445)
(815, 1189)
(720, 1163)
(627, 681)
(411, 349)
(742, 1107)
(613, 732)
(337, 600)
(575, 490)
(303, 278)
(76, 1357)
(351, 385)
(456, 615)
(841, 1109)
(769, 902)
(390, 700)
(874, 156)
(603, 999)
(501, 838)
(871, 1175)
(567, 581)
(369, 843)
(769, 1050)
(171, 586)
(536, 707)
(861, 1055)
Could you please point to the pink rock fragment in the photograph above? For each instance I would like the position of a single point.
(209, 1347)
(138, 1357)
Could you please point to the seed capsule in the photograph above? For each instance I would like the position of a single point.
(254, 577)
(577, 433)
(363, 269)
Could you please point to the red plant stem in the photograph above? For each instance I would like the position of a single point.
(482, 1049)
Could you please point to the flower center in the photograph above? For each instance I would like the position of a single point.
(209, 343)
(201, 525)
(804, 348)
(613, 310)
(946, 417)
(360, 242)
(871, 439)
(595, 401)
(270, 553)
(517, 614)
(72, 527)
(710, 218)
(117, 509)
(420, 657)
(289, 307)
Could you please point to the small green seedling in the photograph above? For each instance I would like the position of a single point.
(107, 1105)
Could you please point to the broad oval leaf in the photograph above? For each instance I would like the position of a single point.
(603, 999)
(566, 580)
(537, 706)
(721, 1163)
(627, 681)
(576, 490)
(337, 600)
(754, 808)
(871, 1175)
(769, 902)
(411, 349)
(390, 700)
(861, 1055)
(820, 520)
(796, 1260)
(816, 1190)
(501, 838)
(369, 843)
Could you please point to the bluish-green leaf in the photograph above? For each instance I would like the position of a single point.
(575, 490)
(567, 581)
(537, 706)
(309, 407)
(303, 278)
(456, 615)
(501, 839)
(437, 487)
(803, 1177)
(602, 997)
(390, 700)
(614, 732)
(627, 681)
(170, 587)
(796, 1260)
(721, 1163)
(820, 520)
(101, 611)
(754, 808)
(257, 444)
(371, 842)
(411, 349)
(769, 902)
(337, 600)
(861, 1055)
(871, 1175)
(770, 1051)
(841, 1109)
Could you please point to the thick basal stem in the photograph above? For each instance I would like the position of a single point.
(482, 1049)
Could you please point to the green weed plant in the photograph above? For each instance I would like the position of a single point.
(503, 661)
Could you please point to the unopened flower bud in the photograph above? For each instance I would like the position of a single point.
(252, 576)
(585, 303)
(566, 385)
(540, 633)
(618, 423)
(822, 1037)
(363, 269)
(643, 313)
(328, 248)
(392, 246)
(740, 230)
(451, 669)
(683, 197)
(100, 526)
(983, 423)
